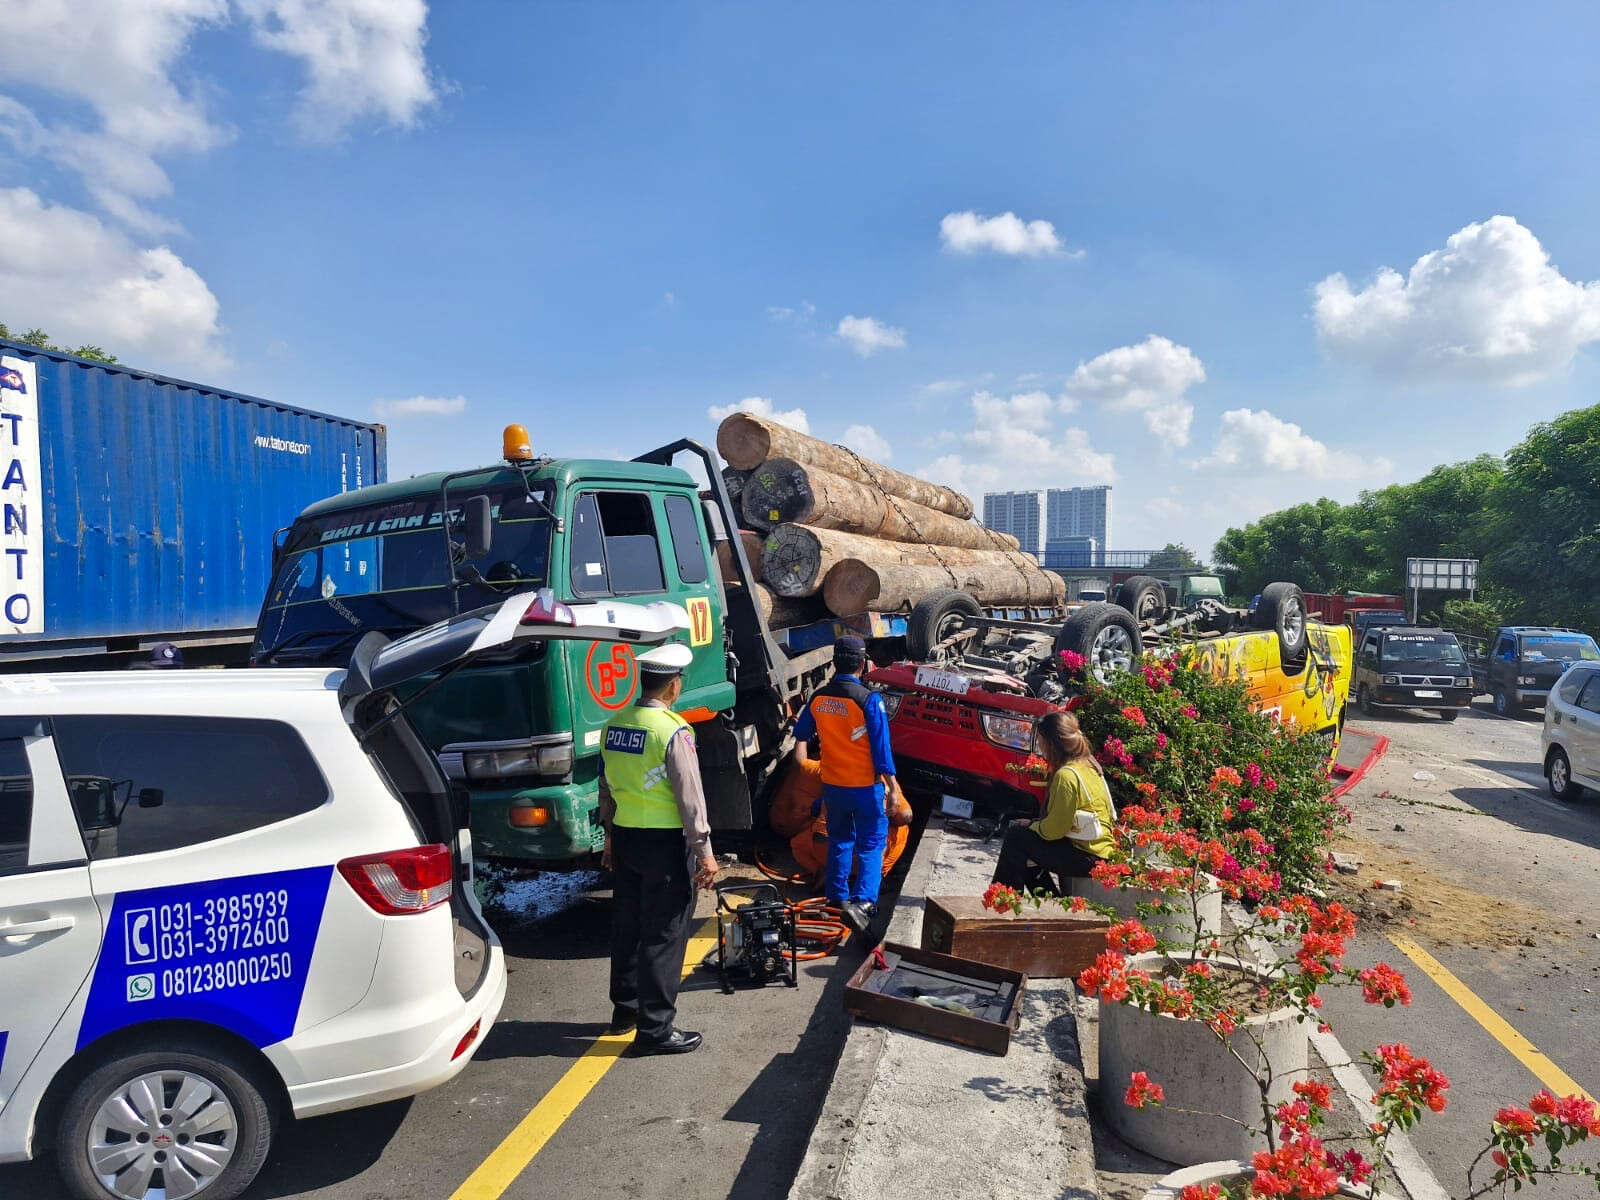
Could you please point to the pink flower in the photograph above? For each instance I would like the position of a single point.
(1141, 1091)
(1161, 740)
(1246, 807)
(1073, 661)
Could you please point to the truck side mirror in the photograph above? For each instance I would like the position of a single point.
(478, 533)
(151, 797)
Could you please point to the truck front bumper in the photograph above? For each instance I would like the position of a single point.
(1405, 696)
(570, 831)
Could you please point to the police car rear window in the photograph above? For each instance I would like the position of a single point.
(141, 785)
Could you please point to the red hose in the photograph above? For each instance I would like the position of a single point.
(816, 921)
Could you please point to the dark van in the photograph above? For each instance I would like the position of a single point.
(1408, 666)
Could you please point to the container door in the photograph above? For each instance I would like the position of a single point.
(50, 926)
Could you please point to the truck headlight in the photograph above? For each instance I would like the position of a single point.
(548, 756)
(891, 703)
(1462, 681)
(1391, 680)
(1008, 731)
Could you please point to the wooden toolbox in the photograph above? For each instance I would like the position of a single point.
(1044, 944)
(899, 996)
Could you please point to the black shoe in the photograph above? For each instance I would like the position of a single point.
(622, 1019)
(679, 1041)
(860, 916)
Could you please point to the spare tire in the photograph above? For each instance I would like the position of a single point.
(1145, 597)
(1105, 634)
(1283, 610)
(935, 617)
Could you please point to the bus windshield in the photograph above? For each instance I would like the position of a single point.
(384, 568)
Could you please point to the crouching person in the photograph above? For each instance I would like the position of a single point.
(1074, 832)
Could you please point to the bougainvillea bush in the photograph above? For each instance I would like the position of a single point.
(1168, 734)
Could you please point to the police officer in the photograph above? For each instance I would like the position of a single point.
(848, 721)
(658, 843)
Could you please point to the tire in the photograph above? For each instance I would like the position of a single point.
(1502, 703)
(1283, 610)
(234, 1093)
(935, 617)
(1105, 634)
(1449, 714)
(1558, 774)
(1364, 701)
(1144, 597)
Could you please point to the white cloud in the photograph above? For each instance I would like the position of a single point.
(1256, 441)
(864, 439)
(66, 272)
(363, 58)
(422, 406)
(784, 312)
(1149, 378)
(1015, 444)
(943, 387)
(868, 335)
(121, 61)
(968, 233)
(794, 418)
(1489, 307)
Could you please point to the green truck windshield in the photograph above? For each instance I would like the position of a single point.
(384, 568)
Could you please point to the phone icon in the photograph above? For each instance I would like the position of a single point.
(139, 943)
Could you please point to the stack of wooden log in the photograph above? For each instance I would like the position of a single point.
(827, 528)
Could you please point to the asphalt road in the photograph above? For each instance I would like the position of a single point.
(1497, 883)
(731, 1120)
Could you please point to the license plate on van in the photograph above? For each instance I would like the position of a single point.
(1422, 695)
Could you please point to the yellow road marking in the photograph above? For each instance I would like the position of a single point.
(1525, 1052)
(512, 1156)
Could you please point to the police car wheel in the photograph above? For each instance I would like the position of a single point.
(164, 1123)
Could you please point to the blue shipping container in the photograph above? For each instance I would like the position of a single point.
(135, 506)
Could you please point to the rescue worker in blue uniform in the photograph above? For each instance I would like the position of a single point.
(848, 721)
(658, 844)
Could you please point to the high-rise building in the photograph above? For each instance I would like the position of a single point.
(1079, 512)
(1021, 514)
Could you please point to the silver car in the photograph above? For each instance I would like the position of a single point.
(1571, 736)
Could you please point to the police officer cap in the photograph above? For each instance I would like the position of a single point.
(666, 661)
(849, 646)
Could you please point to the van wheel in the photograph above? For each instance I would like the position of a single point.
(1558, 773)
(1283, 610)
(1502, 703)
(935, 617)
(1144, 597)
(173, 1123)
(1448, 714)
(1106, 635)
(1364, 702)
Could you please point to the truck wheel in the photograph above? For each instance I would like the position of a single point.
(1502, 703)
(1558, 773)
(1144, 597)
(172, 1122)
(1364, 701)
(1106, 635)
(1283, 610)
(935, 617)
(1448, 714)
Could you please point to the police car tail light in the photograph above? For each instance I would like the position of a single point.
(402, 881)
(547, 610)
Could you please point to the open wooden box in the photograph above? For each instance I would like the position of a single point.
(890, 997)
(1043, 944)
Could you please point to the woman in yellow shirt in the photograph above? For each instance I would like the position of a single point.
(1077, 785)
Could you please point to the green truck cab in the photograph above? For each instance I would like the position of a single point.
(521, 729)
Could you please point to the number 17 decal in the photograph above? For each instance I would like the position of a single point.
(699, 620)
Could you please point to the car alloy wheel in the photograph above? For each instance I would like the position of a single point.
(1560, 775)
(1113, 653)
(173, 1126)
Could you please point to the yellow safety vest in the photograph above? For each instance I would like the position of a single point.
(634, 753)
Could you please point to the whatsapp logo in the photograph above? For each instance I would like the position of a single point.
(141, 987)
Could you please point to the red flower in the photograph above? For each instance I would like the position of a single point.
(1225, 775)
(1193, 1191)
(1073, 661)
(1142, 1092)
(1316, 1093)
(1000, 898)
(1134, 713)
(1518, 1122)
(1130, 936)
(1543, 1103)
(1382, 984)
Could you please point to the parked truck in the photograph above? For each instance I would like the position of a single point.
(1521, 663)
(137, 509)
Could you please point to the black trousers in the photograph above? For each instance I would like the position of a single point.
(1022, 848)
(653, 900)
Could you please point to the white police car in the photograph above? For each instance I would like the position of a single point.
(226, 896)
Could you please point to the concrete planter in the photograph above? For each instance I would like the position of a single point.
(1176, 928)
(1170, 1187)
(1197, 1072)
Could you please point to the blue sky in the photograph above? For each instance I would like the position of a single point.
(606, 220)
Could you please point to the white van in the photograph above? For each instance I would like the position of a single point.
(227, 896)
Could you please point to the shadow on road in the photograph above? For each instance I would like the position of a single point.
(539, 1039)
(1573, 822)
(300, 1160)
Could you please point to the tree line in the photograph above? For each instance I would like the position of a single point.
(1532, 518)
(39, 339)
